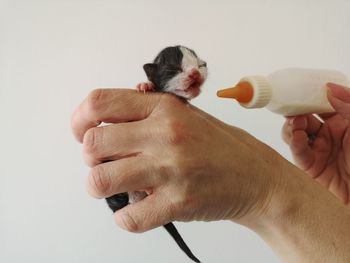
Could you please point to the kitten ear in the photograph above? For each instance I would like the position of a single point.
(151, 70)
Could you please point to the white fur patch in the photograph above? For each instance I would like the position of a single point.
(177, 84)
(189, 61)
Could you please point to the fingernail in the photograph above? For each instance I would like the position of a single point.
(329, 88)
(334, 87)
(299, 122)
(339, 91)
(291, 120)
(331, 84)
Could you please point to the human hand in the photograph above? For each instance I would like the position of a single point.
(322, 149)
(193, 166)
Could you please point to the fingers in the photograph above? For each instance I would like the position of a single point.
(114, 141)
(149, 213)
(301, 149)
(296, 133)
(307, 123)
(120, 176)
(112, 105)
(339, 98)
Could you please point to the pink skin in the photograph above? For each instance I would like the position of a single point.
(194, 74)
(191, 85)
(195, 81)
(189, 89)
(145, 86)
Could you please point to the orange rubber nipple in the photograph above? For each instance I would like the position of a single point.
(243, 92)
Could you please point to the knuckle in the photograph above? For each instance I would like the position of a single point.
(99, 181)
(166, 171)
(286, 138)
(92, 140)
(90, 161)
(127, 222)
(169, 99)
(183, 208)
(95, 100)
(174, 132)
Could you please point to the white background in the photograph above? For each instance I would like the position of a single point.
(53, 53)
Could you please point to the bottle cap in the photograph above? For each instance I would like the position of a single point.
(250, 92)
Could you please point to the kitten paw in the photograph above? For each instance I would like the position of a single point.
(145, 86)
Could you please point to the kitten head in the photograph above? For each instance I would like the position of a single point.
(177, 70)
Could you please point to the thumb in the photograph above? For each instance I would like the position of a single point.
(339, 98)
(149, 213)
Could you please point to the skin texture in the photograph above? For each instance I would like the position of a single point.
(151, 152)
(327, 157)
(179, 71)
(156, 142)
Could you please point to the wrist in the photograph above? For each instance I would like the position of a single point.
(302, 221)
(278, 197)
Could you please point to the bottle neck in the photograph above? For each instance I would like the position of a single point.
(262, 91)
(250, 92)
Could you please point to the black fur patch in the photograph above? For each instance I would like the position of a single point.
(165, 66)
(117, 201)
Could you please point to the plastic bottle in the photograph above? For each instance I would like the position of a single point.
(290, 92)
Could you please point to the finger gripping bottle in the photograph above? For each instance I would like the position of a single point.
(290, 92)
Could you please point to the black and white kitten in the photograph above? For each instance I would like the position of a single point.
(177, 70)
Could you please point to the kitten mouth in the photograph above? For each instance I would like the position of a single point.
(191, 87)
(194, 88)
(194, 84)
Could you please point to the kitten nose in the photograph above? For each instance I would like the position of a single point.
(194, 74)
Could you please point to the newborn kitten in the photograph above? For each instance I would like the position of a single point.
(177, 70)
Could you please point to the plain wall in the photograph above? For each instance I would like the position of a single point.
(53, 53)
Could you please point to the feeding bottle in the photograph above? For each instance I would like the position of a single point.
(290, 92)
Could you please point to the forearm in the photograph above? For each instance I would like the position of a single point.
(304, 222)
